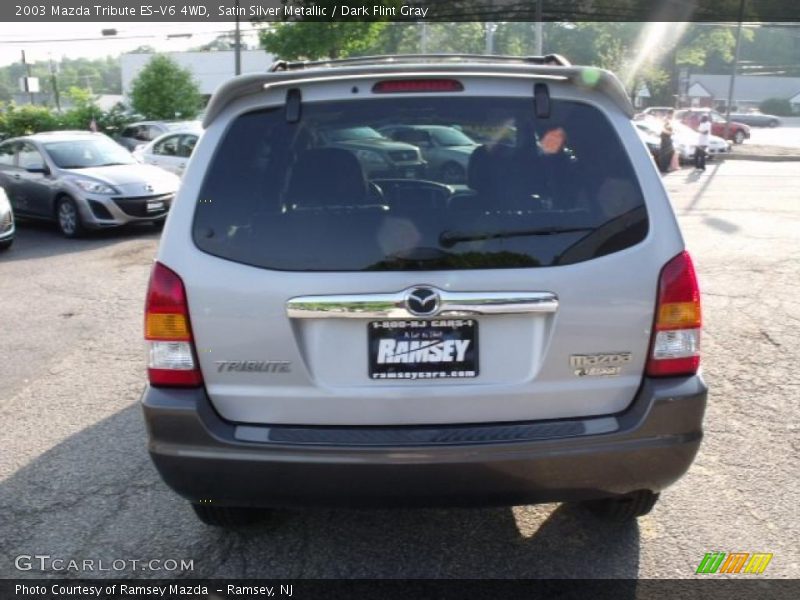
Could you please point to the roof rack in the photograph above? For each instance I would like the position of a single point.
(555, 60)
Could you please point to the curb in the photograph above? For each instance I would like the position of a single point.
(761, 157)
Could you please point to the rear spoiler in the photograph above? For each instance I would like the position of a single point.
(589, 78)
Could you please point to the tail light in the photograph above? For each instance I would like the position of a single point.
(171, 355)
(675, 348)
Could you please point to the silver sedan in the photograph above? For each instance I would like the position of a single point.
(82, 180)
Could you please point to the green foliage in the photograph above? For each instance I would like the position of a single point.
(223, 42)
(82, 112)
(467, 38)
(164, 90)
(772, 50)
(114, 120)
(27, 119)
(702, 45)
(102, 75)
(776, 106)
(314, 40)
(24, 120)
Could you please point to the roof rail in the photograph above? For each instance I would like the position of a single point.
(555, 60)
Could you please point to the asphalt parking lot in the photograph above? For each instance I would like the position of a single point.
(787, 135)
(76, 481)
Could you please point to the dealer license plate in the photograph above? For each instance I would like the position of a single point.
(431, 349)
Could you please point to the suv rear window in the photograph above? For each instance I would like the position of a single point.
(366, 185)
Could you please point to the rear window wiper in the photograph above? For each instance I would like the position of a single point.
(419, 254)
(448, 239)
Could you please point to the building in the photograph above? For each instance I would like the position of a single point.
(749, 90)
(210, 69)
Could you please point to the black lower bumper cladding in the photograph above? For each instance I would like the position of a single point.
(205, 458)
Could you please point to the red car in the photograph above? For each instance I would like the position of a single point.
(737, 132)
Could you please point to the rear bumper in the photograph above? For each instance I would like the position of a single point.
(202, 457)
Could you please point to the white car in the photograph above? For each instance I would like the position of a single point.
(6, 222)
(684, 138)
(170, 151)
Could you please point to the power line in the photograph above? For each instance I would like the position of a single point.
(111, 38)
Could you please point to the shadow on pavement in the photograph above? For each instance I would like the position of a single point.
(721, 225)
(96, 495)
(696, 176)
(39, 239)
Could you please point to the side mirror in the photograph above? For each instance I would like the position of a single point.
(44, 170)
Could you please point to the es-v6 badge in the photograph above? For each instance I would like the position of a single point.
(599, 365)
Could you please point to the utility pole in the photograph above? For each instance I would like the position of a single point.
(735, 68)
(539, 29)
(237, 44)
(87, 81)
(54, 81)
(423, 41)
(490, 29)
(27, 68)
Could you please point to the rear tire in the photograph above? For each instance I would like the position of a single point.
(230, 517)
(624, 508)
(68, 217)
(5, 245)
(773, 123)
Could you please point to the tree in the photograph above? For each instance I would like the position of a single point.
(222, 42)
(83, 111)
(24, 120)
(164, 90)
(144, 49)
(313, 40)
(101, 75)
(776, 106)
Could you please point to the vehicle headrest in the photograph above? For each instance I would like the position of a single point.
(327, 177)
(498, 166)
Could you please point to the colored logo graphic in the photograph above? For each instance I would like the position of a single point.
(734, 562)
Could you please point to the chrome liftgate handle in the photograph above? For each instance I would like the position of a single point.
(402, 305)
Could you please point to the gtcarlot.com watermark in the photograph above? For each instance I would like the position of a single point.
(45, 562)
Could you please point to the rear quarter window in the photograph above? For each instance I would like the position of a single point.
(518, 191)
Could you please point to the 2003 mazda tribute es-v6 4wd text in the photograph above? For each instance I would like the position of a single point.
(324, 331)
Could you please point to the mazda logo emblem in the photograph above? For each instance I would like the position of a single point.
(148, 187)
(422, 301)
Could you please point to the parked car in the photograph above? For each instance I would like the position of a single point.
(320, 335)
(82, 180)
(144, 132)
(736, 132)
(655, 112)
(6, 222)
(756, 118)
(684, 139)
(445, 149)
(650, 138)
(170, 151)
(378, 155)
(688, 138)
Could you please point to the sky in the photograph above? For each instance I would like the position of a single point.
(42, 41)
